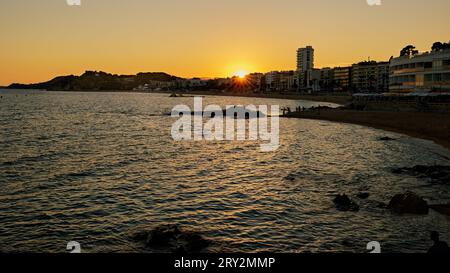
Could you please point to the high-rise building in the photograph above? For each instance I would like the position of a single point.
(305, 67)
(305, 59)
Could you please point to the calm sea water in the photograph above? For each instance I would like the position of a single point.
(98, 167)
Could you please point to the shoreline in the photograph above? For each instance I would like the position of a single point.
(340, 100)
(429, 126)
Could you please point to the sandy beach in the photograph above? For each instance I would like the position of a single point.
(430, 126)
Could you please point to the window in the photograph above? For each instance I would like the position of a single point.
(437, 63)
(446, 77)
(428, 65)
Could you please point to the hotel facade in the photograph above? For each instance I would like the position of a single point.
(427, 72)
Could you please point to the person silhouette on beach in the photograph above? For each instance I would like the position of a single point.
(439, 247)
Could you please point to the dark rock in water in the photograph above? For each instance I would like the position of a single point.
(363, 195)
(386, 139)
(174, 239)
(408, 203)
(192, 242)
(442, 209)
(344, 203)
(438, 174)
(162, 235)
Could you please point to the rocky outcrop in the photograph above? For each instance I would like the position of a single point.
(437, 174)
(173, 239)
(344, 203)
(163, 235)
(408, 203)
(442, 209)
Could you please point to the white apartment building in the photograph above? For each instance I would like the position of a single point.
(305, 59)
(427, 72)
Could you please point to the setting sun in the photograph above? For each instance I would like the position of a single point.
(241, 74)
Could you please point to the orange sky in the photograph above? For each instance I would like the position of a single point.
(41, 39)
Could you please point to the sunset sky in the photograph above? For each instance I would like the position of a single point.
(41, 39)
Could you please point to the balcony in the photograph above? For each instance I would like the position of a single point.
(409, 70)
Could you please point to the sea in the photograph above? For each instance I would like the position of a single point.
(97, 167)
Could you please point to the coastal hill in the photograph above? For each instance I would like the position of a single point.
(97, 80)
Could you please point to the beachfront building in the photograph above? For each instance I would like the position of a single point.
(308, 81)
(326, 80)
(281, 81)
(370, 77)
(342, 78)
(329, 79)
(256, 81)
(272, 80)
(427, 72)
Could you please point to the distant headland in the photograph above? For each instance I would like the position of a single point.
(97, 81)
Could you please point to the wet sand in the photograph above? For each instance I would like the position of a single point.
(430, 126)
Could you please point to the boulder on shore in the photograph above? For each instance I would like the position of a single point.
(344, 203)
(173, 239)
(408, 203)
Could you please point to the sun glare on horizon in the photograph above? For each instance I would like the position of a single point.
(241, 74)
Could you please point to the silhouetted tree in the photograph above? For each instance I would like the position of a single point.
(408, 51)
(438, 46)
(446, 45)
